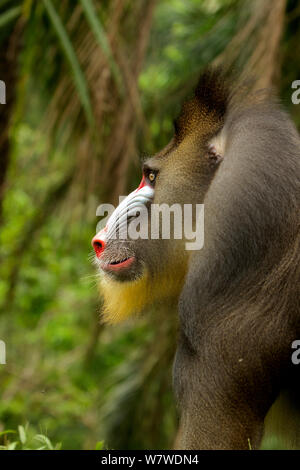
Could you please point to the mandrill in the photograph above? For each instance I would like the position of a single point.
(238, 154)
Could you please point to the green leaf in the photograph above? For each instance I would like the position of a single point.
(44, 440)
(9, 431)
(99, 445)
(9, 16)
(12, 446)
(68, 49)
(22, 434)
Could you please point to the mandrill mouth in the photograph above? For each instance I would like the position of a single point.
(118, 265)
(115, 261)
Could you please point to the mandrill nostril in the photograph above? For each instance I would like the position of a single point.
(98, 247)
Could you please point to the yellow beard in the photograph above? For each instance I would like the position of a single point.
(124, 299)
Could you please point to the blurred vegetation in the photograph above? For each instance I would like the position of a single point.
(25, 440)
(92, 86)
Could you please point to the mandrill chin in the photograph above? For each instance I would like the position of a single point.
(238, 156)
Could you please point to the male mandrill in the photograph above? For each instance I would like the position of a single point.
(238, 297)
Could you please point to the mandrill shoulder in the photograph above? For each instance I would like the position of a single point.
(251, 220)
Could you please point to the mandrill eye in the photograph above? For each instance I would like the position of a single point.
(152, 176)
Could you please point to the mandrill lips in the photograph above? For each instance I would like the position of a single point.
(117, 265)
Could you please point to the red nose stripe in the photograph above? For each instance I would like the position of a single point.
(142, 183)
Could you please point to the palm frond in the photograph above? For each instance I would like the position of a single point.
(71, 56)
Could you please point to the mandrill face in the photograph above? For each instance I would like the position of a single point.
(137, 271)
(120, 257)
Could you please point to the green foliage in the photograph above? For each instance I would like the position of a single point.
(25, 439)
(74, 380)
